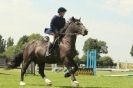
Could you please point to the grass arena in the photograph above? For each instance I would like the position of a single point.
(66, 43)
(10, 79)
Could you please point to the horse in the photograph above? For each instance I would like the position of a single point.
(66, 51)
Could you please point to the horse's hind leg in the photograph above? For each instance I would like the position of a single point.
(23, 71)
(41, 72)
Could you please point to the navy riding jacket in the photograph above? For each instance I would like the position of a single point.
(56, 24)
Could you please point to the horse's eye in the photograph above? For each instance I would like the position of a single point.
(78, 23)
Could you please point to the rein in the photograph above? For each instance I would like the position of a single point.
(66, 30)
(69, 33)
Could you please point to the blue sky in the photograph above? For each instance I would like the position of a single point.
(107, 20)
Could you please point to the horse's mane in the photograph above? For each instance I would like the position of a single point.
(72, 19)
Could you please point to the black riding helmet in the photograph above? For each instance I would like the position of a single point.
(61, 9)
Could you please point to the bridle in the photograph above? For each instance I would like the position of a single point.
(67, 30)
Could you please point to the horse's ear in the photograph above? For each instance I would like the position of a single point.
(73, 19)
(80, 19)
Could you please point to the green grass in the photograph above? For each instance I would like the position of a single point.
(10, 79)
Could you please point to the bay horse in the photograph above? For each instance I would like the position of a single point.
(36, 52)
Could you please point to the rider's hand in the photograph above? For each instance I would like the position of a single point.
(52, 33)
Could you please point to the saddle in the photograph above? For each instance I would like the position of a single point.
(48, 30)
(54, 45)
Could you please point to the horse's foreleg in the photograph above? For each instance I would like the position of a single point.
(41, 72)
(73, 78)
(75, 66)
(74, 81)
(72, 68)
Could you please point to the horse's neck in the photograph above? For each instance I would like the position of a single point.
(69, 40)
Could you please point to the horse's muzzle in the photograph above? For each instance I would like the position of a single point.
(85, 32)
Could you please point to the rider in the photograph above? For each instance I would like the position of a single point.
(57, 23)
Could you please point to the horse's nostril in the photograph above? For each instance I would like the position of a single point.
(86, 32)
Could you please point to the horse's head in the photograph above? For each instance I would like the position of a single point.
(77, 26)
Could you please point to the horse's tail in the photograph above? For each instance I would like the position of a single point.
(16, 61)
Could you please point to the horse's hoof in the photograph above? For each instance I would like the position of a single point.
(22, 83)
(67, 75)
(48, 82)
(75, 83)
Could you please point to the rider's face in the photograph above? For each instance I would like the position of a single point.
(62, 13)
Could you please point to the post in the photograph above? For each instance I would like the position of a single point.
(91, 60)
(88, 62)
(31, 68)
(118, 65)
(94, 69)
(54, 67)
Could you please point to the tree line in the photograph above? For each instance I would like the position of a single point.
(8, 49)
(91, 44)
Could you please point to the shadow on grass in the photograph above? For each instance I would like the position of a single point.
(4, 74)
(40, 85)
(79, 87)
(36, 84)
(45, 86)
